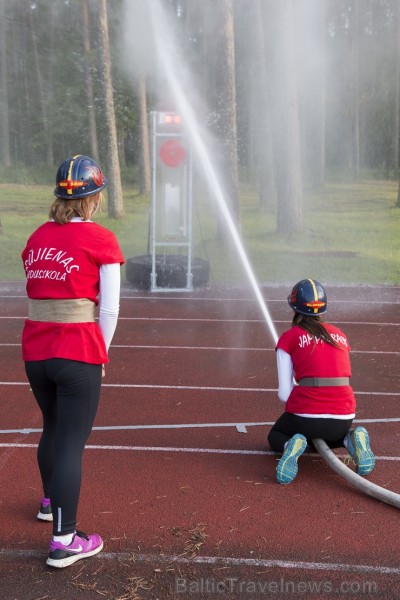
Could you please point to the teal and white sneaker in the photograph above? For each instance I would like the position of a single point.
(287, 467)
(357, 443)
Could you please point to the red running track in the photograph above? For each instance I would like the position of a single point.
(177, 469)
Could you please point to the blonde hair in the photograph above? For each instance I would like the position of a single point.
(63, 211)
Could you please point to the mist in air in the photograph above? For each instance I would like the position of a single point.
(171, 64)
(305, 103)
(292, 108)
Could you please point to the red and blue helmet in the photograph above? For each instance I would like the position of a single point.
(78, 177)
(308, 297)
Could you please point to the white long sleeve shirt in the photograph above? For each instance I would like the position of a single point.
(110, 283)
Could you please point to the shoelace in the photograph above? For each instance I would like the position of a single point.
(82, 535)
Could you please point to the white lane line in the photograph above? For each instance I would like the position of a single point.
(222, 320)
(249, 299)
(166, 387)
(199, 388)
(217, 348)
(208, 348)
(209, 320)
(211, 348)
(258, 562)
(240, 427)
(156, 449)
(223, 451)
(223, 389)
(220, 300)
(227, 561)
(239, 320)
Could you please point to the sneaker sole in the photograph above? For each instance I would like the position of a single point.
(43, 517)
(287, 467)
(365, 456)
(60, 563)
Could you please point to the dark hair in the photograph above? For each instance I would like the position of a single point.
(315, 327)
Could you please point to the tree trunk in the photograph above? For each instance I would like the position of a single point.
(115, 202)
(312, 83)
(287, 131)
(397, 106)
(43, 100)
(396, 116)
(227, 107)
(5, 155)
(87, 62)
(145, 173)
(356, 94)
(21, 151)
(321, 168)
(262, 111)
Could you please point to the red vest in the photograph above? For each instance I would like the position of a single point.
(63, 261)
(315, 358)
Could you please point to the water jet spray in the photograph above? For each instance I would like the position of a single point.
(164, 49)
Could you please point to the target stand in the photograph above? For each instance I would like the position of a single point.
(169, 264)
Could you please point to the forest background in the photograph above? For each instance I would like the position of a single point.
(301, 100)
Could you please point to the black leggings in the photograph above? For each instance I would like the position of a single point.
(68, 395)
(331, 430)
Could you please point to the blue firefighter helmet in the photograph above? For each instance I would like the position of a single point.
(78, 177)
(308, 297)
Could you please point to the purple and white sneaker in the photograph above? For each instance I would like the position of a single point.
(45, 513)
(82, 546)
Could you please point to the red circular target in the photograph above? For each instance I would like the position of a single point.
(172, 153)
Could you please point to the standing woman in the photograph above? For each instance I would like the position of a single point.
(320, 403)
(68, 262)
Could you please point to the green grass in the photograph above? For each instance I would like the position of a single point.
(350, 235)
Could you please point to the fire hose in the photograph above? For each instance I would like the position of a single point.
(369, 488)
